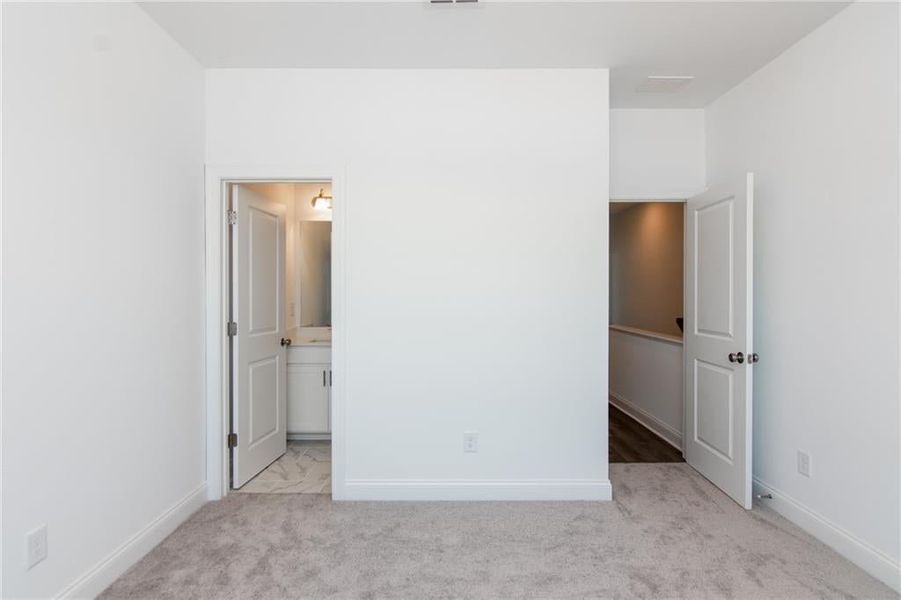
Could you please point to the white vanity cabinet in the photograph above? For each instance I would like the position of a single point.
(309, 391)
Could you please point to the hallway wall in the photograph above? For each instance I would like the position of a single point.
(646, 266)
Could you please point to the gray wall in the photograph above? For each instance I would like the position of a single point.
(646, 266)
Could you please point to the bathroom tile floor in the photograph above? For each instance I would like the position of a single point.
(306, 468)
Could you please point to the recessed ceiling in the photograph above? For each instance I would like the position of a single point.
(719, 43)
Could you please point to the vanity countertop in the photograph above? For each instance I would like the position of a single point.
(300, 336)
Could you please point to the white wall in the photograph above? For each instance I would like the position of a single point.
(465, 311)
(656, 154)
(646, 379)
(819, 127)
(102, 435)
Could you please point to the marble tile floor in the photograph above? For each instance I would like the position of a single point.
(306, 468)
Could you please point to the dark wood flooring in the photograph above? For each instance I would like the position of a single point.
(632, 442)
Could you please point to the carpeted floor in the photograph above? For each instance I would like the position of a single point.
(668, 534)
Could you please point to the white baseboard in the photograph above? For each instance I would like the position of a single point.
(670, 435)
(871, 560)
(122, 558)
(529, 489)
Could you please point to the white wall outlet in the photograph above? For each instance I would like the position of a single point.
(35, 546)
(290, 309)
(470, 441)
(803, 463)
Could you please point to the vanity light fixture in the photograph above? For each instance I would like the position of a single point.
(321, 202)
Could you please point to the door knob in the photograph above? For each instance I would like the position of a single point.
(736, 357)
(286, 342)
(753, 358)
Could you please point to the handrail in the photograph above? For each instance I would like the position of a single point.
(654, 335)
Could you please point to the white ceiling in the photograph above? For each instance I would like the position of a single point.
(719, 43)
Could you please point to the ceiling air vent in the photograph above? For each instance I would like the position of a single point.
(664, 84)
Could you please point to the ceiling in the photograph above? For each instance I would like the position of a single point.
(719, 43)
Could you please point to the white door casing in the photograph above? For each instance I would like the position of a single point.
(718, 336)
(258, 290)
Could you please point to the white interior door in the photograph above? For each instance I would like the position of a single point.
(260, 374)
(718, 336)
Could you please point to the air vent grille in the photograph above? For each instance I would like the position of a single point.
(664, 84)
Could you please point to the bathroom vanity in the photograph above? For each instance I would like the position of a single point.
(309, 387)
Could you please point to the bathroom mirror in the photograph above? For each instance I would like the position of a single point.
(315, 255)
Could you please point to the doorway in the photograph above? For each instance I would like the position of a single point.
(714, 353)
(275, 265)
(280, 336)
(646, 316)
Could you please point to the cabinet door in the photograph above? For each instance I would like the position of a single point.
(308, 398)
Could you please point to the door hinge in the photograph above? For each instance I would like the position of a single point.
(232, 217)
(233, 440)
(232, 328)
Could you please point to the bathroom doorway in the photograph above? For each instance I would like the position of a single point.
(280, 336)
(281, 332)
(275, 294)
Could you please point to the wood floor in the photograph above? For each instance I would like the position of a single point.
(631, 442)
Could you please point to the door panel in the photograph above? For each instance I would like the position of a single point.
(258, 282)
(714, 407)
(714, 226)
(718, 323)
(263, 386)
(264, 244)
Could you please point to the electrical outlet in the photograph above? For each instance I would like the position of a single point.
(803, 463)
(35, 546)
(470, 441)
(290, 309)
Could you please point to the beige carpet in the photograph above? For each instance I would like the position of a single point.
(668, 534)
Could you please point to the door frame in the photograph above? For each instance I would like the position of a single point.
(216, 279)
